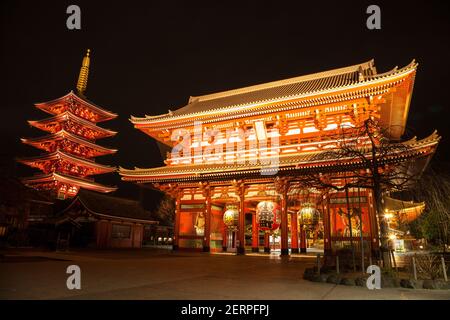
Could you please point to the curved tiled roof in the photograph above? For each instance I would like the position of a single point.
(393, 204)
(298, 87)
(105, 205)
(302, 162)
(62, 134)
(60, 155)
(67, 115)
(81, 182)
(106, 114)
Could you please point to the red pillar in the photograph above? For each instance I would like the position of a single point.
(241, 230)
(176, 231)
(282, 187)
(294, 233)
(327, 249)
(266, 242)
(302, 239)
(255, 234)
(284, 223)
(207, 235)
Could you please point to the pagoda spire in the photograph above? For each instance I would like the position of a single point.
(84, 73)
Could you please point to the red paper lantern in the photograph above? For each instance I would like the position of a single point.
(268, 215)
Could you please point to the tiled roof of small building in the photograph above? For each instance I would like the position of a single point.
(105, 205)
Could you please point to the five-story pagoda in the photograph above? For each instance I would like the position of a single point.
(70, 149)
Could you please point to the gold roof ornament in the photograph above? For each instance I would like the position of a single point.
(84, 73)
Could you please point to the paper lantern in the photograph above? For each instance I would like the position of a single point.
(268, 215)
(308, 214)
(231, 217)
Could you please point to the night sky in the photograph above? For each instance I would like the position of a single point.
(148, 57)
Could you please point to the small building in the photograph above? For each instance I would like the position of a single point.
(100, 221)
(20, 208)
(399, 214)
(406, 211)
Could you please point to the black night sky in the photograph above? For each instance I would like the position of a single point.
(148, 57)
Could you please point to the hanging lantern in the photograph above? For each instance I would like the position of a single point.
(308, 214)
(268, 215)
(231, 217)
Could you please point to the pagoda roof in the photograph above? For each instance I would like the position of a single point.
(306, 162)
(67, 115)
(15, 193)
(71, 180)
(60, 155)
(103, 113)
(318, 88)
(106, 206)
(62, 134)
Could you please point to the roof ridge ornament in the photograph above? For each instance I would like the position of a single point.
(360, 74)
(84, 73)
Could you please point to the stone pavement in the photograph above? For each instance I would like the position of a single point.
(160, 274)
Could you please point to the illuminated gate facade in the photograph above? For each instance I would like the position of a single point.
(250, 149)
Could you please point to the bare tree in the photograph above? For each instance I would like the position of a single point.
(165, 211)
(369, 159)
(434, 189)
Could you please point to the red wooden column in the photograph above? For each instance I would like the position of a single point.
(327, 248)
(266, 242)
(302, 239)
(241, 227)
(224, 238)
(255, 234)
(282, 187)
(176, 231)
(207, 235)
(294, 233)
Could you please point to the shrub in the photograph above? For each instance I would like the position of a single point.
(428, 265)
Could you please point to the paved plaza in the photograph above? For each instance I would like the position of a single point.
(162, 274)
